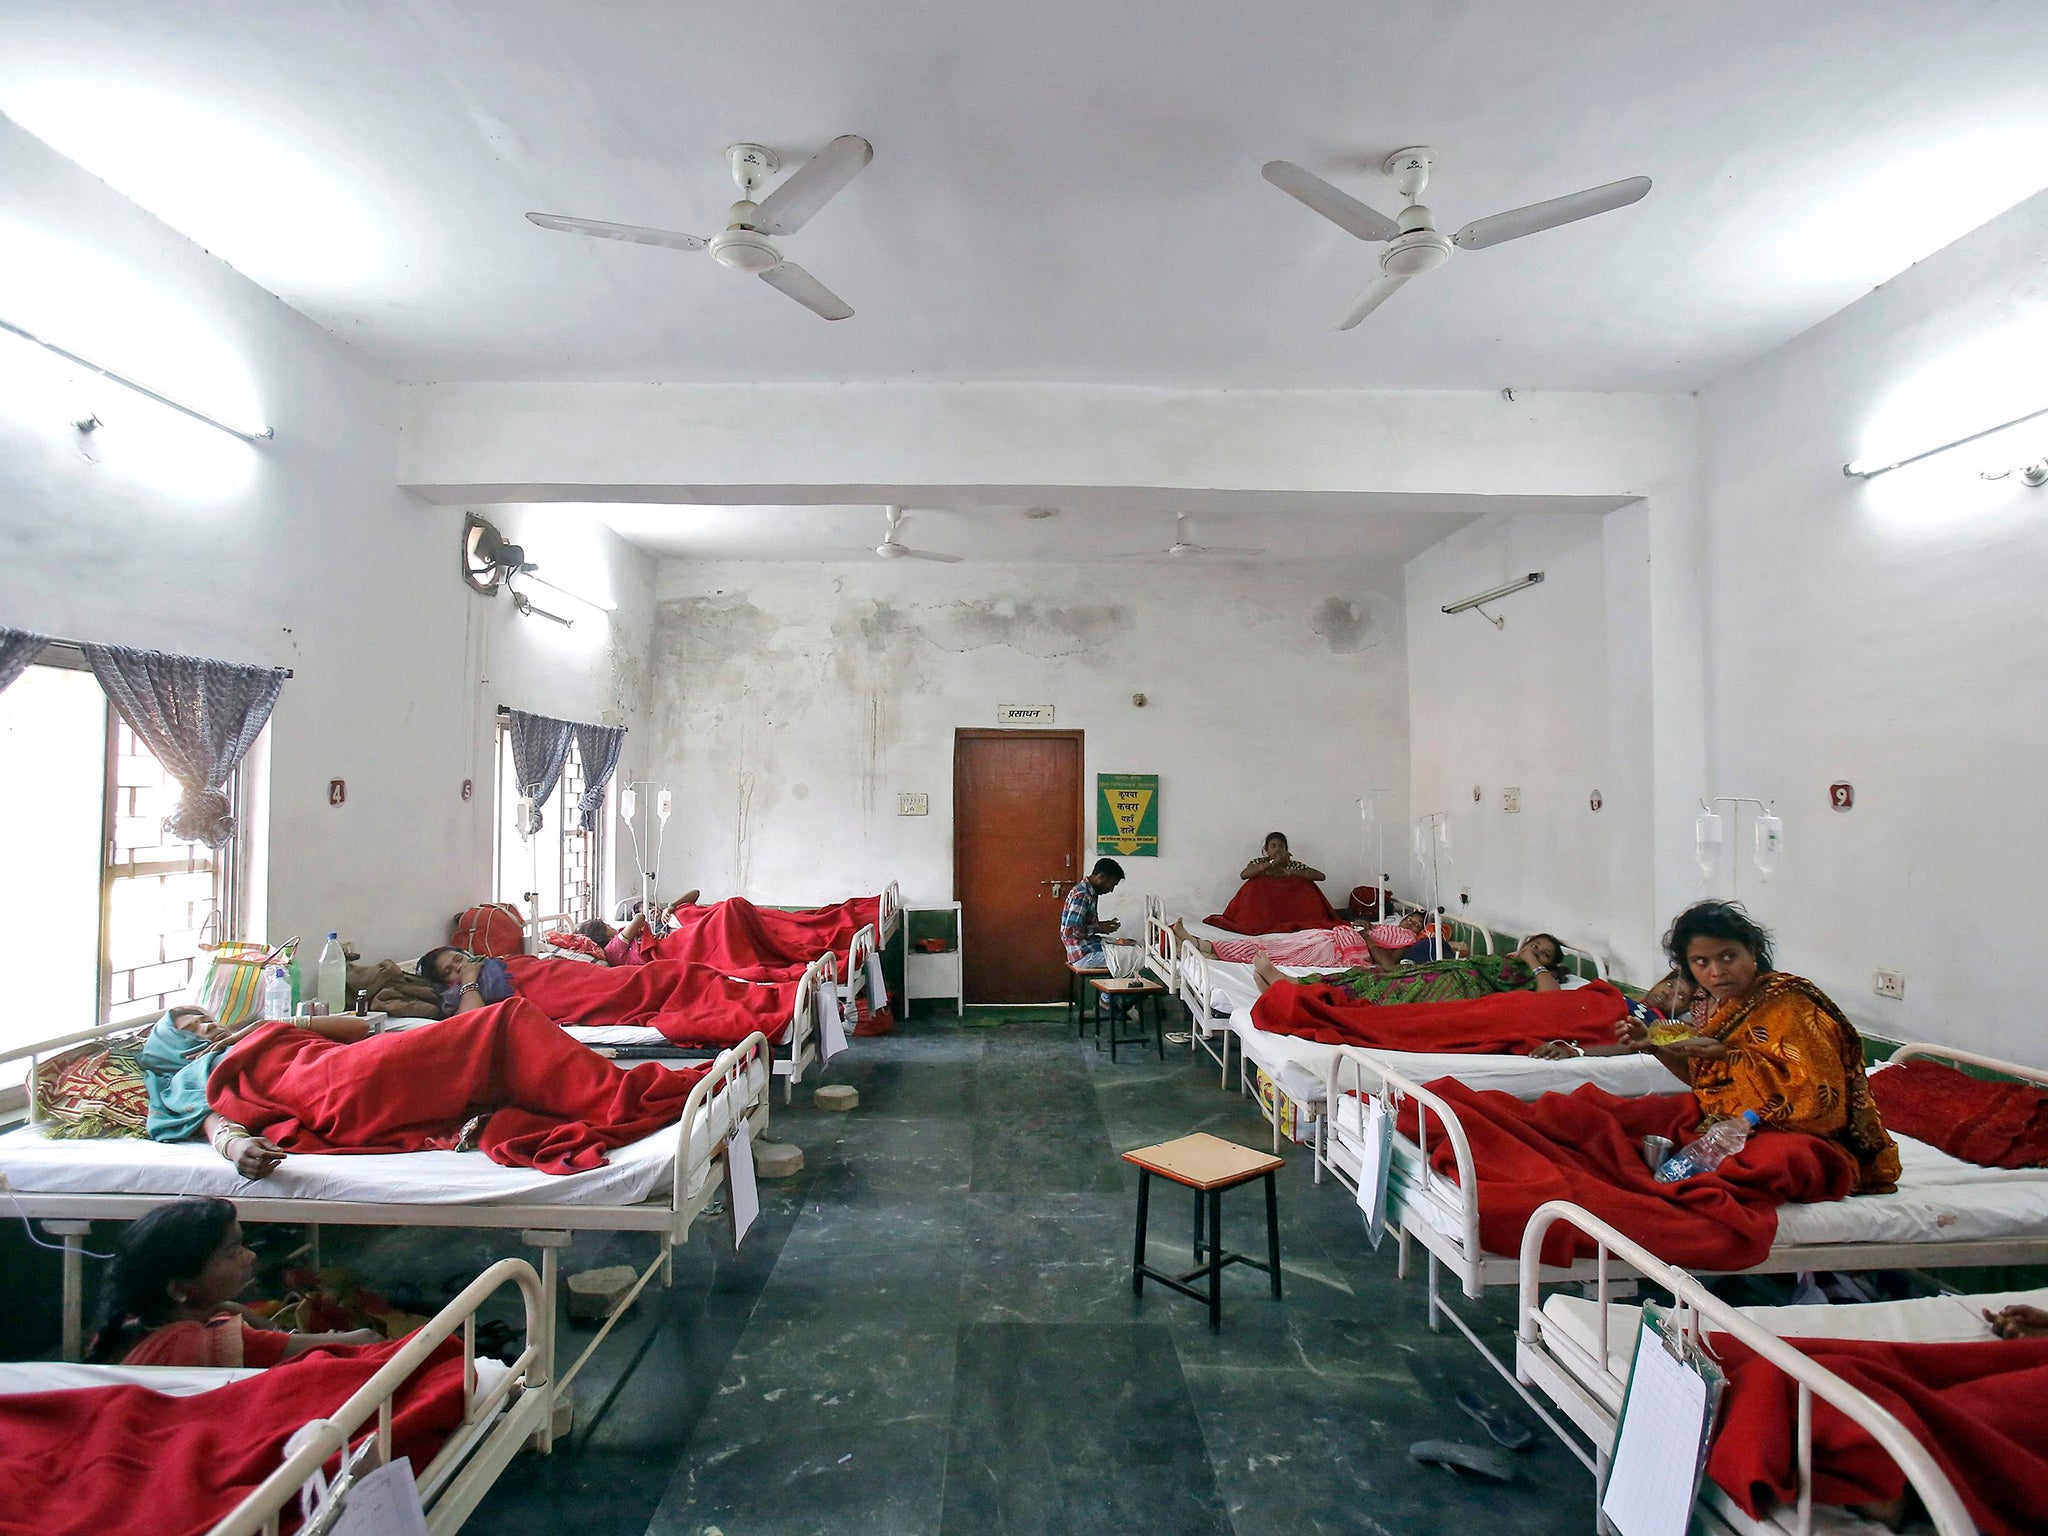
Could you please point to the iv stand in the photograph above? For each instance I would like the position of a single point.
(1368, 810)
(1438, 824)
(1765, 826)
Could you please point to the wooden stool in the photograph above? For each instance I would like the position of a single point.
(1122, 991)
(1208, 1165)
(1077, 975)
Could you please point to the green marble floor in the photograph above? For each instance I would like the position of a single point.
(932, 1330)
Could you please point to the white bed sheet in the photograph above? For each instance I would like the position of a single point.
(171, 1380)
(643, 1035)
(36, 1164)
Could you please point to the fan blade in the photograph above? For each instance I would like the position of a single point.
(1340, 208)
(816, 182)
(1217, 549)
(807, 291)
(1378, 291)
(1517, 222)
(925, 554)
(675, 239)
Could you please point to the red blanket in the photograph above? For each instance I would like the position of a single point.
(689, 1004)
(736, 933)
(553, 1104)
(1977, 1407)
(1276, 904)
(111, 1461)
(1586, 1147)
(1996, 1125)
(1507, 1023)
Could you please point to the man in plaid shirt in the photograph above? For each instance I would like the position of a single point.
(1080, 933)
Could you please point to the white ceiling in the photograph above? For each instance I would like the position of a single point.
(1065, 189)
(1351, 530)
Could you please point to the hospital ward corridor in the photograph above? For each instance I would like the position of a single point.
(1069, 768)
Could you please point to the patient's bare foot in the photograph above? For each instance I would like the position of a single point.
(1183, 938)
(1265, 972)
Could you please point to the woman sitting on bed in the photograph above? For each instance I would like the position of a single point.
(504, 1079)
(170, 1296)
(1276, 862)
(1768, 1041)
(1531, 968)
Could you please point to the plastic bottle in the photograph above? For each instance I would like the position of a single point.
(1722, 1141)
(277, 994)
(333, 975)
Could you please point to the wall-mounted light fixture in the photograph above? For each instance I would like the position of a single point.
(1870, 469)
(2034, 474)
(1529, 580)
(246, 433)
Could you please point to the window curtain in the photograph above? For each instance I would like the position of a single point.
(199, 717)
(18, 647)
(540, 746)
(601, 746)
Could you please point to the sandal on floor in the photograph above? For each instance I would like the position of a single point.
(1499, 1427)
(1465, 1460)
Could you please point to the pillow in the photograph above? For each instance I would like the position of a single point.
(96, 1090)
(573, 946)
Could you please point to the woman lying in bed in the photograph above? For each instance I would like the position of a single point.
(504, 1079)
(1534, 967)
(170, 1296)
(632, 942)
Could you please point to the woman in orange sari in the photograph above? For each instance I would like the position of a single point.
(1769, 1041)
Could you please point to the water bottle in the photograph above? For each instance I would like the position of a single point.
(333, 975)
(277, 994)
(1722, 1141)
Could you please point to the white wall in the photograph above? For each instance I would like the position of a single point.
(300, 552)
(1522, 707)
(1890, 634)
(793, 703)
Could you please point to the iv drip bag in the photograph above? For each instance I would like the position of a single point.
(1709, 833)
(662, 804)
(628, 802)
(1769, 843)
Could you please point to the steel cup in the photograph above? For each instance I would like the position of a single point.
(1656, 1149)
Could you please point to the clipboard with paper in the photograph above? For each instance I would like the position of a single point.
(1371, 1125)
(1666, 1429)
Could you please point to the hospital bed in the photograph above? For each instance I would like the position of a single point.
(791, 1052)
(1574, 1354)
(660, 1184)
(507, 1406)
(1945, 1212)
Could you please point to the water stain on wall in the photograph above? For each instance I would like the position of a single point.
(1042, 629)
(1347, 624)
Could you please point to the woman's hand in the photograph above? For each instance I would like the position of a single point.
(2018, 1322)
(254, 1157)
(1695, 1048)
(1556, 1050)
(1632, 1033)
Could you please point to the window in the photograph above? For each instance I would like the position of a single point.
(111, 906)
(559, 871)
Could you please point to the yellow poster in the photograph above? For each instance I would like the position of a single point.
(1127, 814)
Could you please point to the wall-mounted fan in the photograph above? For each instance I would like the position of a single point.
(490, 561)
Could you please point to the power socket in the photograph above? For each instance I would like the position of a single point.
(1891, 984)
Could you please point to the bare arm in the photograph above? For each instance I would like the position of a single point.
(1296, 867)
(1259, 866)
(1546, 981)
(254, 1157)
(300, 1343)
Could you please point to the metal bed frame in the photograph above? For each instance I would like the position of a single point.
(1415, 1189)
(1588, 1391)
(547, 1226)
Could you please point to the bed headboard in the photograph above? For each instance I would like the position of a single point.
(1928, 1051)
(891, 912)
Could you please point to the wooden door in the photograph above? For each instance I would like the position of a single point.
(1016, 847)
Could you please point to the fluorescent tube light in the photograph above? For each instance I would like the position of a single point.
(1529, 580)
(1868, 469)
(246, 434)
(601, 605)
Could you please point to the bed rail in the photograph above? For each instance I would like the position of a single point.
(1925, 1050)
(457, 1478)
(1697, 1312)
(1197, 990)
(890, 914)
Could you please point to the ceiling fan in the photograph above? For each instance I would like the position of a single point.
(1413, 244)
(490, 561)
(889, 549)
(744, 244)
(1181, 547)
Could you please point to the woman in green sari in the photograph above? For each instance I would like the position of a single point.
(1532, 968)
